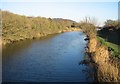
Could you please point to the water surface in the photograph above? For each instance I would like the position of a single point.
(54, 58)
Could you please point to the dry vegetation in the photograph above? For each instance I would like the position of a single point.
(88, 27)
(107, 68)
(18, 27)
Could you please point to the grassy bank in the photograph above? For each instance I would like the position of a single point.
(99, 56)
(18, 27)
(103, 55)
(115, 49)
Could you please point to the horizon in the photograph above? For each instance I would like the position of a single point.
(75, 11)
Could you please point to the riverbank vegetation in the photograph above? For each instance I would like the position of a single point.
(88, 27)
(18, 27)
(109, 36)
(113, 48)
(102, 49)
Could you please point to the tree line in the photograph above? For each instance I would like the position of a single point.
(18, 27)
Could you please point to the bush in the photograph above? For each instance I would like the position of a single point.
(88, 27)
(17, 27)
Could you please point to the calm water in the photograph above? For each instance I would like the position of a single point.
(53, 58)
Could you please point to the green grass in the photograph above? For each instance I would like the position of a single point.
(101, 40)
(115, 47)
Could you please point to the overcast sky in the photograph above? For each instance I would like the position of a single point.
(70, 10)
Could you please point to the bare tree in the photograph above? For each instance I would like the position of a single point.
(88, 25)
(90, 20)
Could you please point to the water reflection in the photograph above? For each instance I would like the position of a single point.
(52, 59)
(91, 67)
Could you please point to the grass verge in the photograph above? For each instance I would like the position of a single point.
(115, 49)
